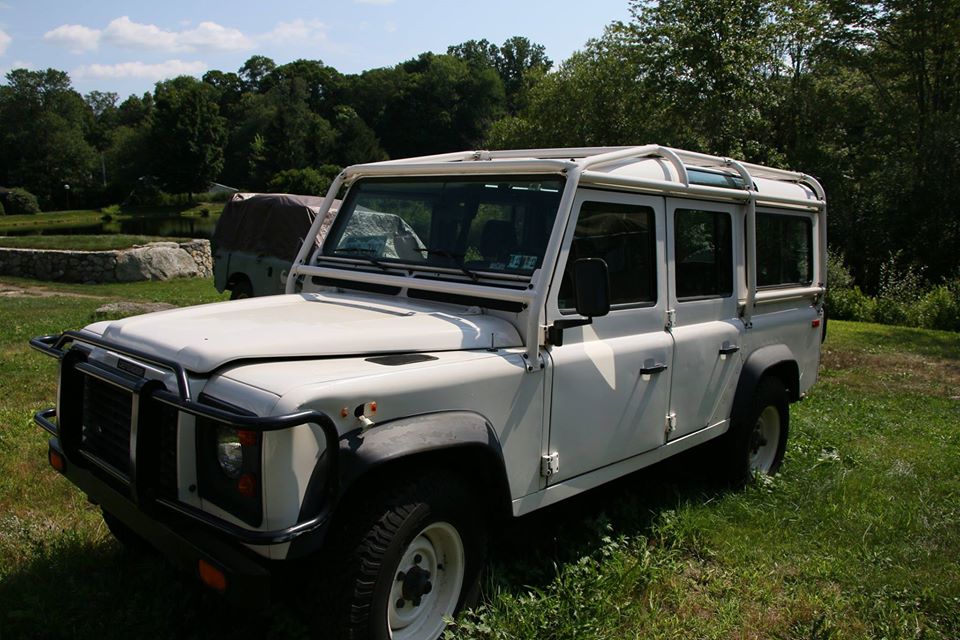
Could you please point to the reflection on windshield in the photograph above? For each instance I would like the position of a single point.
(484, 224)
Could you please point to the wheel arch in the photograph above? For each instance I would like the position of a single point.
(461, 441)
(775, 360)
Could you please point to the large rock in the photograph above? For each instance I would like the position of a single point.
(155, 261)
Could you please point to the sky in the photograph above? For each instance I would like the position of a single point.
(126, 47)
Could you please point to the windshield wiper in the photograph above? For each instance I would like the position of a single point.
(456, 257)
(358, 253)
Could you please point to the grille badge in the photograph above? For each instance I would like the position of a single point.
(129, 367)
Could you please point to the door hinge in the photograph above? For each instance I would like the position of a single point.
(671, 422)
(549, 464)
(671, 318)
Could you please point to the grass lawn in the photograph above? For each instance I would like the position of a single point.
(81, 242)
(858, 537)
(80, 217)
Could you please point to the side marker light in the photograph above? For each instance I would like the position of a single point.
(211, 576)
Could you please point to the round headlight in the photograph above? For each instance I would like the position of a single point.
(229, 453)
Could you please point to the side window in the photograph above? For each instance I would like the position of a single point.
(624, 237)
(784, 250)
(704, 254)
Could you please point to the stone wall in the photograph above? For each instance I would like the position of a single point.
(154, 261)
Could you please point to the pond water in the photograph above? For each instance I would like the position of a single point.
(163, 226)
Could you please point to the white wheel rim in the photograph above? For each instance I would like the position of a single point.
(765, 440)
(436, 556)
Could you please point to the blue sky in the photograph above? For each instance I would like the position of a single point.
(126, 47)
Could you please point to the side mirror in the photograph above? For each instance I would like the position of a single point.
(592, 286)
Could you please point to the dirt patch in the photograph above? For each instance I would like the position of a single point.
(10, 291)
(903, 372)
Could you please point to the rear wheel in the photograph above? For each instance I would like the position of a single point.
(241, 289)
(407, 561)
(757, 441)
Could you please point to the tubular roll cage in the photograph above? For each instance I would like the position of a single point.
(143, 390)
(579, 166)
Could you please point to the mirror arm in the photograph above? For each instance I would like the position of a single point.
(555, 331)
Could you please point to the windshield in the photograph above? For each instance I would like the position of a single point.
(484, 224)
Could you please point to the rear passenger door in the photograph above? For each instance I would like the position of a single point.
(704, 249)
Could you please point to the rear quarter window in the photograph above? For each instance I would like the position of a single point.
(784, 250)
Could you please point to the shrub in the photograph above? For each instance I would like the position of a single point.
(112, 210)
(851, 304)
(901, 289)
(2, 212)
(309, 181)
(940, 308)
(19, 201)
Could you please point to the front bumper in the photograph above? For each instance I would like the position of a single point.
(182, 532)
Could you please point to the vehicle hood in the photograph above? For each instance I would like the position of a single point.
(205, 337)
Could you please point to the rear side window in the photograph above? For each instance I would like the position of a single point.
(704, 254)
(784, 250)
(624, 237)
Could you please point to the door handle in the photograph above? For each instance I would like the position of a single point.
(728, 350)
(655, 368)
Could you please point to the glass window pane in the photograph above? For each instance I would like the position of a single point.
(784, 250)
(704, 255)
(624, 237)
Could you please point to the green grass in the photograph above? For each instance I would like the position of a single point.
(858, 537)
(81, 242)
(52, 220)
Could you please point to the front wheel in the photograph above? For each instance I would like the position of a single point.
(407, 561)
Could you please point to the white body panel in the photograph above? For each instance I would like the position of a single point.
(205, 337)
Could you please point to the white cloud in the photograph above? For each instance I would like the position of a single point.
(380, 2)
(390, 27)
(124, 32)
(207, 36)
(74, 37)
(297, 30)
(210, 36)
(141, 70)
(5, 41)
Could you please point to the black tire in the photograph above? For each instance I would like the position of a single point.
(748, 446)
(375, 583)
(125, 535)
(241, 289)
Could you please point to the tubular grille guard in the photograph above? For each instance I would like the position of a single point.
(53, 345)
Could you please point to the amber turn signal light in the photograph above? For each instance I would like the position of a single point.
(56, 460)
(211, 576)
(247, 485)
(248, 438)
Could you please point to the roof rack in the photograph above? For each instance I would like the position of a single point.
(589, 159)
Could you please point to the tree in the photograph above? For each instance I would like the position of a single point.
(45, 122)
(254, 71)
(188, 134)
(442, 104)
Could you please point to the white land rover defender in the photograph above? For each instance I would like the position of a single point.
(481, 334)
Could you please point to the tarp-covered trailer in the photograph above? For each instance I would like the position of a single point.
(257, 238)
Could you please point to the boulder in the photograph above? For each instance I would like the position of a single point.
(155, 261)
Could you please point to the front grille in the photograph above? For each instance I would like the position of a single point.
(107, 414)
(167, 453)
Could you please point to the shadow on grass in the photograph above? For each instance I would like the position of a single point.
(527, 551)
(75, 589)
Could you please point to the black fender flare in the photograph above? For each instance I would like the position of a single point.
(362, 453)
(775, 359)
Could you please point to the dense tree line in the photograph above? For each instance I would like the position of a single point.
(864, 95)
